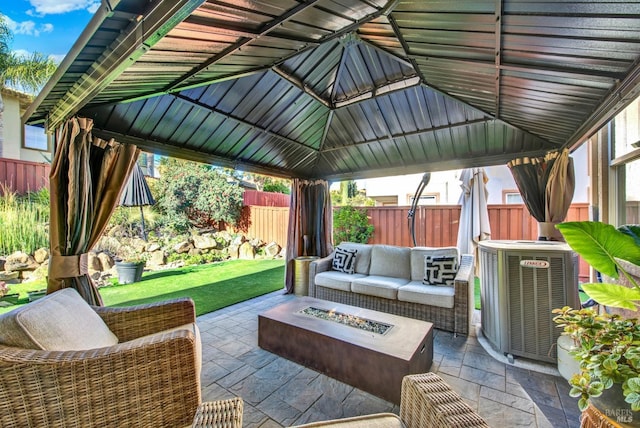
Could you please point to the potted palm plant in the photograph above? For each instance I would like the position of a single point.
(607, 345)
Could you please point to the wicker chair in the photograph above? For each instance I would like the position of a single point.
(150, 378)
(426, 401)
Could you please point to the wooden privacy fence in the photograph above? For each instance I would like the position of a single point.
(22, 176)
(436, 225)
(265, 199)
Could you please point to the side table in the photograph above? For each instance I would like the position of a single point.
(301, 274)
(219, 414)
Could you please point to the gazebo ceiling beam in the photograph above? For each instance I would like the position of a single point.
(241, 121)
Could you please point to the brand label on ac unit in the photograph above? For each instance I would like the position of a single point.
(538, 264)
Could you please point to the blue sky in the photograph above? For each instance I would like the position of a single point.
(50, 27)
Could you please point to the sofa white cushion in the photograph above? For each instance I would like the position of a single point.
(363, 257)
(380, 286)
(389, 260)
(418, 254)
(434, 295)
(61, 321)
(336, 280)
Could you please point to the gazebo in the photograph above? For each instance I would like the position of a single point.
(319, 90)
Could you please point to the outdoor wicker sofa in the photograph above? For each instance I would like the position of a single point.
(426, 401)
(148, 378)
(391, 279)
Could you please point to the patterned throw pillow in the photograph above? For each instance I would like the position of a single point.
(440, 270)
(344, 260)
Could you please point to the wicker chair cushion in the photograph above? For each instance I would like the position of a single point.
(380, 420)
(61, 321)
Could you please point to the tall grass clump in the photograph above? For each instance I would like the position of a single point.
(24, 221)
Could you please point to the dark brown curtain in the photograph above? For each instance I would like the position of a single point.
(310, 223)
(546, 185)
(87, 176)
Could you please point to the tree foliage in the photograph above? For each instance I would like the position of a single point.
(202, 193)
(20, 72)
(351, 224)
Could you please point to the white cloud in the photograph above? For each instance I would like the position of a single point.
(53, 7)
(28, 28)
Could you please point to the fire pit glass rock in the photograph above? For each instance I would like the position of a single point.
(347, 319)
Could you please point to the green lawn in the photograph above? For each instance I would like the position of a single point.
(211, 286)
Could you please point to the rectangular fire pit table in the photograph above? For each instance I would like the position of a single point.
(370, 361)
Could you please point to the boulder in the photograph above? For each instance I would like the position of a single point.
(41, 254)
(9, 276)
(158, 258)
(18, 257)
(247, 251)
(106, 261)
(234, 251)
(205, 242)
(271, 249)
(153, 246)
(195, 252)
(182, 247)
(238, 240)
(225, 236)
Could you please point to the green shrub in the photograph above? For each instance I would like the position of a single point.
(351, 224)
(202, 193)
(24, 221)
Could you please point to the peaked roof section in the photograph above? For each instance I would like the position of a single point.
(348, 89)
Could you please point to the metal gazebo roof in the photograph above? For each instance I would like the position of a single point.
(349, 89)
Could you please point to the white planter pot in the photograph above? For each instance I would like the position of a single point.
(567, 365)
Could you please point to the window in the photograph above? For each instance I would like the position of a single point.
(512, 197)
(429, 199)
(35, 138)
(626, 164)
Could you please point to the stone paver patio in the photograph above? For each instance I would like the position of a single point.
(277, 392)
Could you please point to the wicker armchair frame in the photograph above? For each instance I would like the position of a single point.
(148, 381)
(456, 319)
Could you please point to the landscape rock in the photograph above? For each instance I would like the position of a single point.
(2, 261)
(153, 246)
(106, 261)
(41, 254)
(224, 236)
(234, 251)
(8, 276)
(204, 242)
(182, 247)
(195, 252)
(238, 240)
(247, 251)
(18, 257)
(272, 249)
(158, 258)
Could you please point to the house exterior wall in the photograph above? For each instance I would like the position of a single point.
(13, 146)
(445, 185)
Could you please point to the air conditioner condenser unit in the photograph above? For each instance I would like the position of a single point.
(521, 283)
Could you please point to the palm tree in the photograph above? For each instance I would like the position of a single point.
(25, 73)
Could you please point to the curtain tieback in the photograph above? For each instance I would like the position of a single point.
(68, 266)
